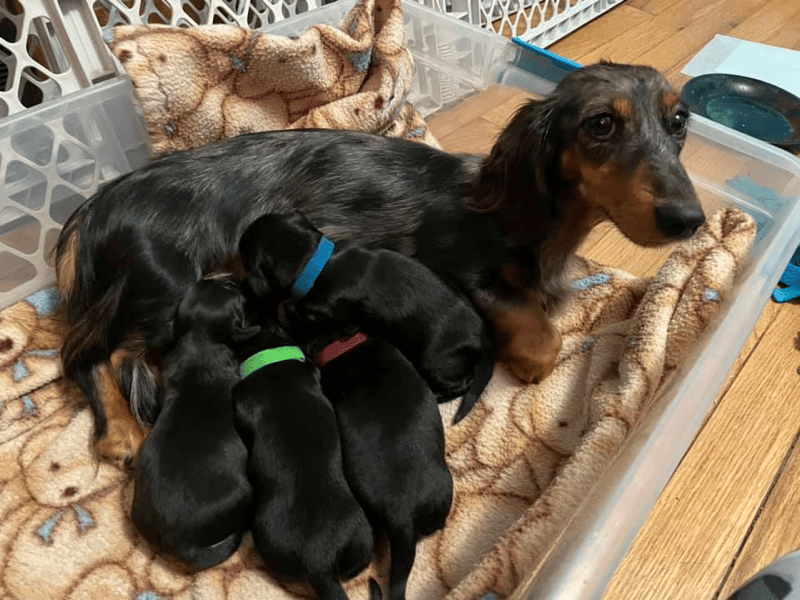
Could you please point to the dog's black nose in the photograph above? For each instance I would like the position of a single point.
(679, 221)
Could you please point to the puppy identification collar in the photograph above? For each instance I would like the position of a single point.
(268, 357)
(313, 268)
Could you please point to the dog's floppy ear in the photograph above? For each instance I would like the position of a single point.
(255, 283)
(240, 329)
(520, 173)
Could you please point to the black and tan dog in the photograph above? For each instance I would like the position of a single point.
(604, 145)
(192, 497)
(379, 291)
(393, 448)
(308, 526)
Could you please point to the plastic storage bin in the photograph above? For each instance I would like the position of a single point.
(453, 61)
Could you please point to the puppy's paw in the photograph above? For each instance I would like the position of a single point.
(121, 443)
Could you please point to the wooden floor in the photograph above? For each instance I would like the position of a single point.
(733, 505)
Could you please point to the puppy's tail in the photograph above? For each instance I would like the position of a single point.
(204, 557)
(483, 373)
(403, 549)
(374, 590)
(327, 587)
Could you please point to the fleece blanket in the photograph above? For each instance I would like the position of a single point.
(204, 83)
(521, 461)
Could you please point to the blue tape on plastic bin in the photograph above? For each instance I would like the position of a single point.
(541, 62)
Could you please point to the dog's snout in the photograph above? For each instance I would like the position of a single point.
(677, 221)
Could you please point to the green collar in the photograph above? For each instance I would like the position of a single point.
(268, 357)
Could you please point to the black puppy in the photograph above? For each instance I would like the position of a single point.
(307, 525)
(393, 448)
(382, 292)
(192, 498)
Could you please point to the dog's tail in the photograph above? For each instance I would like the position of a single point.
(327, 587)
(483, 373)
(402, 549)
(67, 262)
(86, 347)
(85, 322)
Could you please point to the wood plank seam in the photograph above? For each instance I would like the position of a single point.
(749, 531)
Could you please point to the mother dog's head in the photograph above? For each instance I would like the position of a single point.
(607, 140)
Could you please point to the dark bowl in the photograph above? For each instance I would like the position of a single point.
(751, 106)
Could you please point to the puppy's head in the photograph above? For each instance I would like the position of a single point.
(274, 249)
(610, 135)
(217, 307)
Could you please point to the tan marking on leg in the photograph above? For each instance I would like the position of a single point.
(123, 436)
(527, 342)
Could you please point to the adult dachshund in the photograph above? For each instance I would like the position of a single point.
(501, 228)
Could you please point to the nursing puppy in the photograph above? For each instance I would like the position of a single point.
(393, 448)
(307, 526)
(192, 498)
(380, 291)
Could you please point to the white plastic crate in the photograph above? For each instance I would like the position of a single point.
(52, 157)
(50, 48)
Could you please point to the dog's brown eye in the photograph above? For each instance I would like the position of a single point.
(600, 125)
(677, 122)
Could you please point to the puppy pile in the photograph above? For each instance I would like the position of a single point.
(317, 462)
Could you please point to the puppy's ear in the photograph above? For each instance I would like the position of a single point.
(301, 222)
(241, 334)
(241, 330)
(255, 283)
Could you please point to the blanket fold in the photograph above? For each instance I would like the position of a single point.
(205, 83)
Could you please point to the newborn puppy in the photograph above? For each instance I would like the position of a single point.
(393, 448)
(192, 498)
(307, 525)
(378, 291)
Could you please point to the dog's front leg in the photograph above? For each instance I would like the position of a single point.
(527, 343)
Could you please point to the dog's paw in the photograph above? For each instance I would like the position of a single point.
(121, 443)
(528, 371)
(531, 360)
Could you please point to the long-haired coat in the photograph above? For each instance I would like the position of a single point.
(604, 145)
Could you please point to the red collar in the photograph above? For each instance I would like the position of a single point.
(339, 347)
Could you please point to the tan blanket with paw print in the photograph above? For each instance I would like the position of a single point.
(522, 460)
(209, 82)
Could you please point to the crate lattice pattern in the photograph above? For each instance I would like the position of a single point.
(47, 171)
(33, 65)
(36, 67)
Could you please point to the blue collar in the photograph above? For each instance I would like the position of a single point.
(313, 268)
